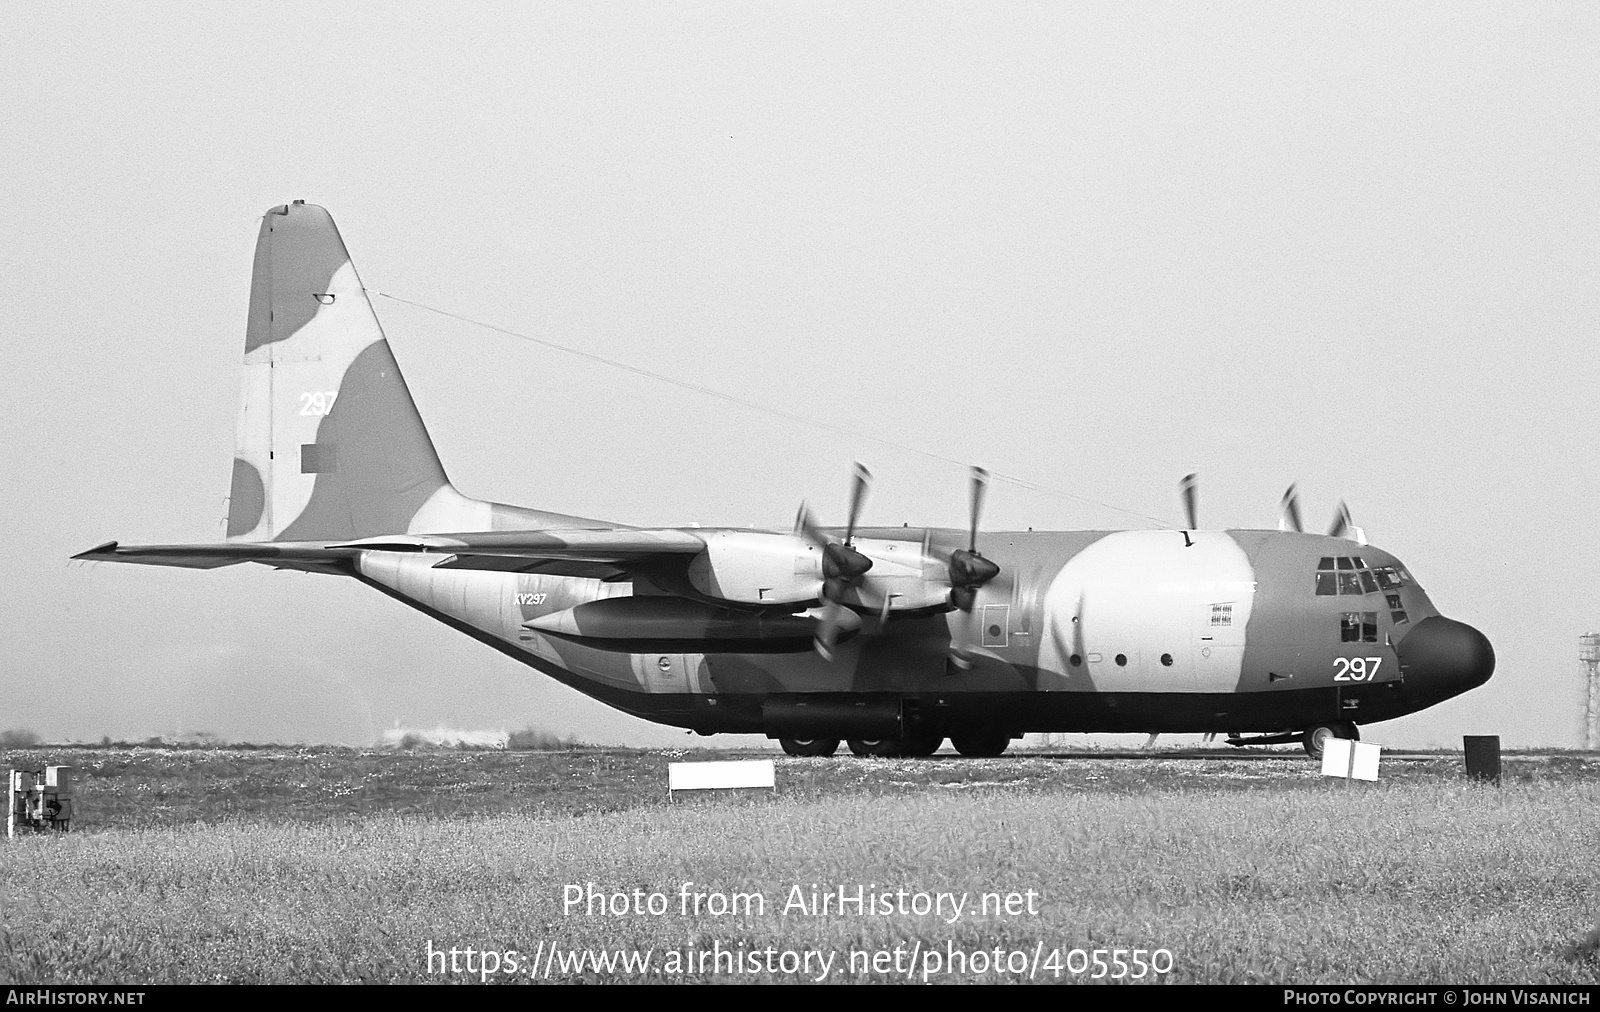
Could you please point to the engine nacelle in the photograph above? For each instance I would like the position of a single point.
(751, 567)
(913, 581)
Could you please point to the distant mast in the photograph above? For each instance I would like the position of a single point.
(1589, 654)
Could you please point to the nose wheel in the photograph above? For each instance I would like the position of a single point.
(1316, 738)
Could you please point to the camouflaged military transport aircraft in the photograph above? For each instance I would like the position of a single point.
(893, 639)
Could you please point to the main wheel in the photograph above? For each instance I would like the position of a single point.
(876, 748)
(921, 745)
(810, 746)
(982, 744)
(1316, 738)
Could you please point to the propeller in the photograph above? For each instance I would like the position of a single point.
(1189, 489)
(1342, 527)
(1289, 511)
(843, 568)
(1342, 524)
(970, 571)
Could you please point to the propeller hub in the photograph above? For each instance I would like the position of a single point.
(841, 562)
(971, 570)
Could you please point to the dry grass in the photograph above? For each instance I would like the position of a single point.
(1420, 879)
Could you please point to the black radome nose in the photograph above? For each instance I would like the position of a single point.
(1441, 657)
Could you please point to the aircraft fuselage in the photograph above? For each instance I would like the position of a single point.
(1148, 631)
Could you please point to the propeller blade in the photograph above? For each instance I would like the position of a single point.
(858, 495)
(962, 638)
(1342, 524)
(836, 619)
(1290, 508)
(1189, 489)
(883, 610)
(1077, 630)
(980, 485)
(828, 631)
(806, 527)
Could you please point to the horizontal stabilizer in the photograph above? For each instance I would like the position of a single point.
(213, 556)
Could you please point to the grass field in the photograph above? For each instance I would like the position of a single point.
(327, 865)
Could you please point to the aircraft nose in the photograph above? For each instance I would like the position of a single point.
(1441, 657)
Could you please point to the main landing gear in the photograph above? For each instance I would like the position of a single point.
(821, 747)
(914, 746)
(1316, 738)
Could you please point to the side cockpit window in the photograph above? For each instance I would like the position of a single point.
(1397, 609)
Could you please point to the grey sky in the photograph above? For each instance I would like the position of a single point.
(1094, 246)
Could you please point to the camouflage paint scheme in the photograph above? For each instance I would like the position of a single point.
(712, 629)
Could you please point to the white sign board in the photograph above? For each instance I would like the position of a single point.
(1355, 760)
(720, 776)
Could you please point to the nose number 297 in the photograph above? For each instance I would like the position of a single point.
(1356, 669)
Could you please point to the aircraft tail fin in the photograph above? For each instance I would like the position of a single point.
(329, 443)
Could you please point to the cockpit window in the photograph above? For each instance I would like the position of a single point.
(1358, 627)
(1397, 612)
(1391, 577)
(1348, 575)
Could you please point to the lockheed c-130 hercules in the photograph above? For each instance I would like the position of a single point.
(891, 638)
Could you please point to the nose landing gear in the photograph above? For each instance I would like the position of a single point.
(1316, 737)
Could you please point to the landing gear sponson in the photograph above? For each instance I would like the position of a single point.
(976, 745)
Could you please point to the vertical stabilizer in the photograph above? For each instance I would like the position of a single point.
(329, 442)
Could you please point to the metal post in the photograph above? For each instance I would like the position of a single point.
(1589, 654)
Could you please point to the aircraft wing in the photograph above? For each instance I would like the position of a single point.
(595, 554)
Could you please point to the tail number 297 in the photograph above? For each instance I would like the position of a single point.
(317, 402)
(1356, 669)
